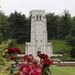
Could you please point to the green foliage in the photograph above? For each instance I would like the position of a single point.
(4, 25)
(0, 32)
(65, 25)
(0, 38)
(4, 63)
(73, 52)
(3, 47)
(73, 27)
(52, 25)
(46, 71)
(67, 57)
(13, 43)
(71, 40)
(19, 27)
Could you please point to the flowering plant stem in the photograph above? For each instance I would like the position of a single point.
(46, 70)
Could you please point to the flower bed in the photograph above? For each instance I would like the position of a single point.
(28, 65)
(66, 64)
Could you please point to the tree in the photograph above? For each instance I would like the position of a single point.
(52, 25)
(5, 25)
(65, 25)
(73, 27)
(73, 52)
(71, 40)
(0, 31)
(19, 27)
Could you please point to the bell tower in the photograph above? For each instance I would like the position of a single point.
(38, 34)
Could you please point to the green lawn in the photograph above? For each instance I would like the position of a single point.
(21, 46)
(60, 45)
(61, 70)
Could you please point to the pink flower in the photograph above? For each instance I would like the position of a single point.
(31, 66)
(24, 70)
(35, 63)
(30, 69)
(25, 57)
(38, 68)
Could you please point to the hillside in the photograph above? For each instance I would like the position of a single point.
(59, 45)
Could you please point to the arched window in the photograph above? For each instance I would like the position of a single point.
(37, 17)
(40, 17)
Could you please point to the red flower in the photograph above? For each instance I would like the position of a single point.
(46, 62)
(35, 63)
(18, 50)
(11, 50)
(13, 58)
(25, 57)
(43, 56)
(46, 56)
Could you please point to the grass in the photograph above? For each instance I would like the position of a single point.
(63, 70)
(60, 45)
(21, 46)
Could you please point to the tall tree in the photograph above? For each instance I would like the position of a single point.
(73, 27)
(65, 25)
(19, 27)
(71, 38)
(0, 31)
(5, 25)
(52, 25)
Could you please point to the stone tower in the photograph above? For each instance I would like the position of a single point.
(38, 35)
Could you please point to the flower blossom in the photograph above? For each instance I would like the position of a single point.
(13, 58)
(46, 62)
(18, 50)
(11, 50)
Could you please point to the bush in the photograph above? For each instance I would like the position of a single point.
(67, 57)
(0, 38)
(12, 43)
(73, 52)
(63, 51)
(71, 40)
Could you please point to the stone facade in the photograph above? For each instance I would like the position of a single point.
(39, 41)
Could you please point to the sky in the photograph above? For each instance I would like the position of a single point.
(25, 6)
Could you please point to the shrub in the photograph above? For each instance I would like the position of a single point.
(67, 57)
(73, 52)
(12, 43)
(71, 40)
(0, 38)
(63, 51)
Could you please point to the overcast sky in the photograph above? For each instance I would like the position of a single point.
(25, 6)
